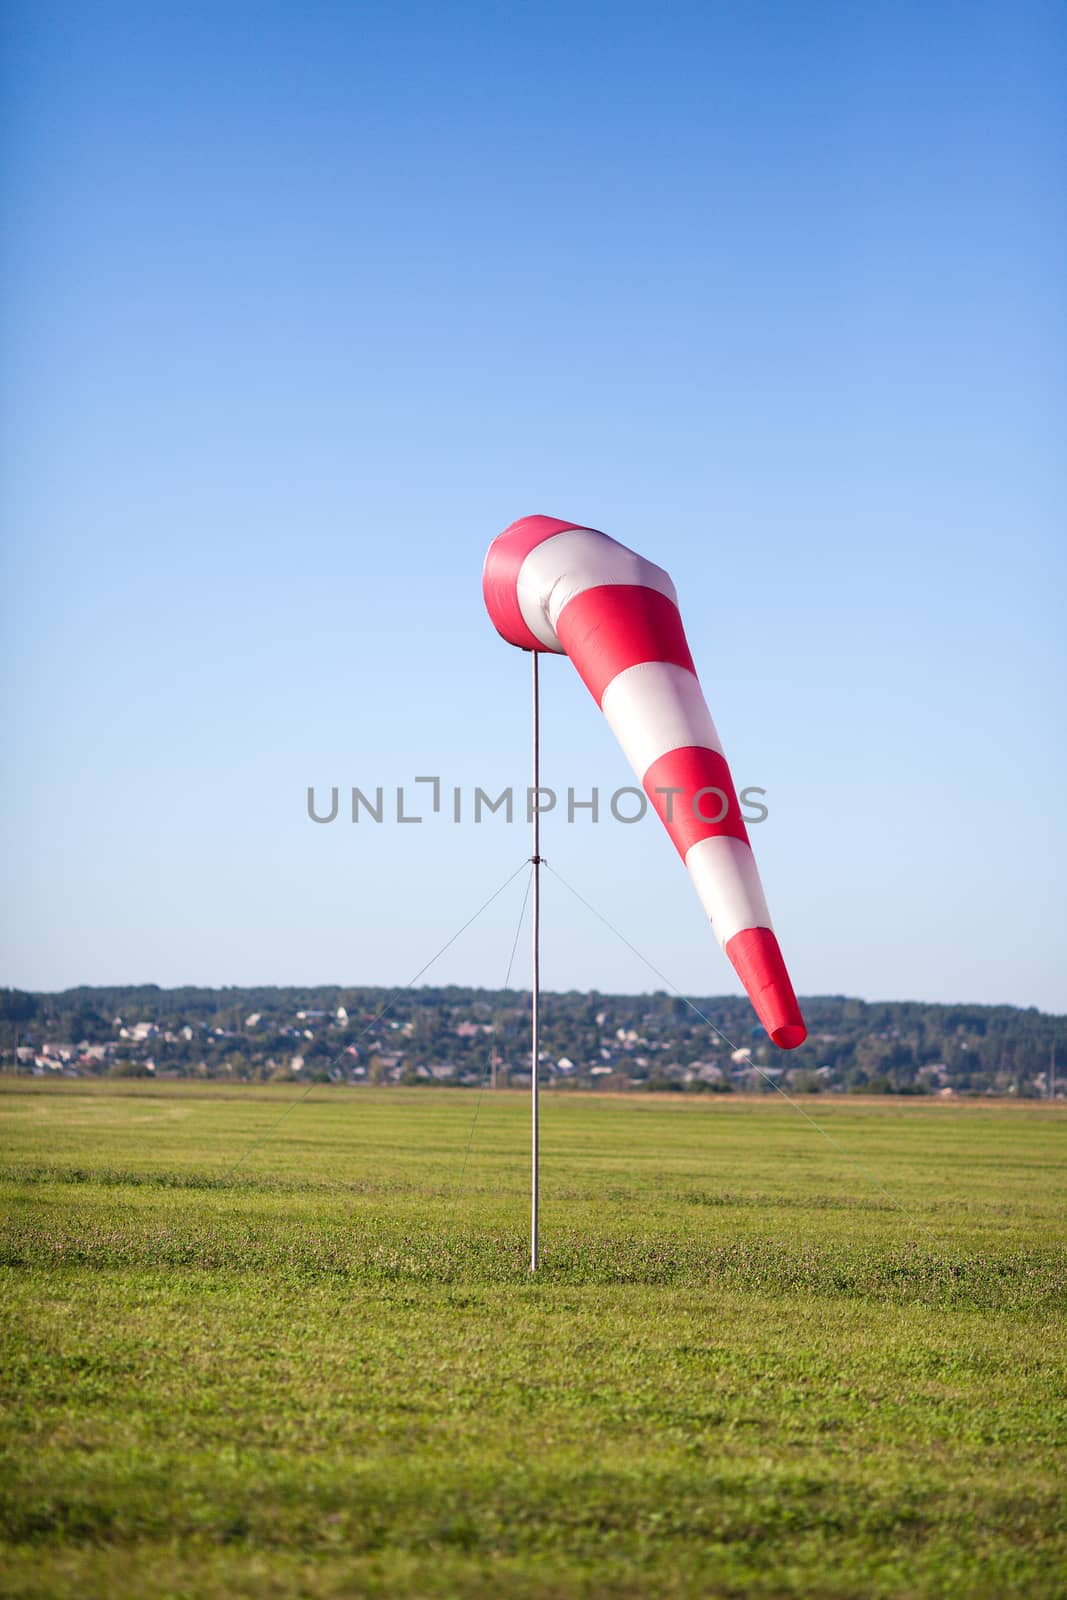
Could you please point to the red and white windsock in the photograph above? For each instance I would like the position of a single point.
(555, 586)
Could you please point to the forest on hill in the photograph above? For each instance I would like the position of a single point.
(463, 1036)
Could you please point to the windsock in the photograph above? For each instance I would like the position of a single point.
(555, 586)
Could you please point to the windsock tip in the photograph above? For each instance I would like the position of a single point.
(757, 959)
(789, 1036)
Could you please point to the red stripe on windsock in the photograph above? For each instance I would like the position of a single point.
(758, 962)
(619, 625)
(500, 576)
(696, 798)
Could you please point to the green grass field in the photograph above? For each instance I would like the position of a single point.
(742, 1371)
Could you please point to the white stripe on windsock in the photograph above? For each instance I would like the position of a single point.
(724, 872)
(656, 707)
(565, 566)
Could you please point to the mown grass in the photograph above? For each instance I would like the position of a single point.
(323, 1369)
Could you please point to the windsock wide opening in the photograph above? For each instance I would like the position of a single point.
(500, 576)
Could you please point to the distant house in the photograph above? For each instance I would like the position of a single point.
(139, 1032)
(59, 1052)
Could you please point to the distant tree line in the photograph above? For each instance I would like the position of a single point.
(461, 1036)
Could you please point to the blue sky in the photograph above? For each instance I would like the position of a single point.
(302, 305)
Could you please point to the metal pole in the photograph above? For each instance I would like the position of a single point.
(535, 987)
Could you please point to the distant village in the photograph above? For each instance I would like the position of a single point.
(472, 1037)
